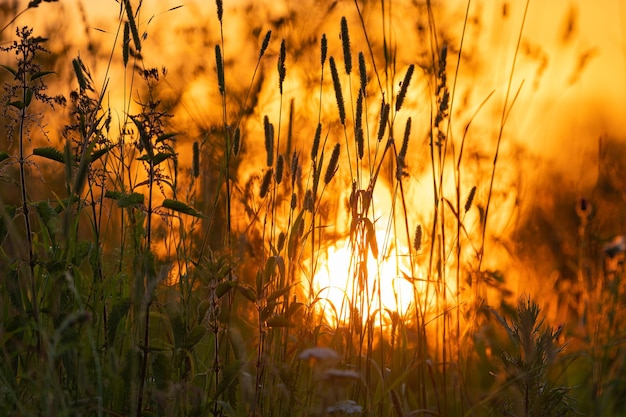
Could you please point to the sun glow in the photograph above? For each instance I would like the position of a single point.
(341, 286)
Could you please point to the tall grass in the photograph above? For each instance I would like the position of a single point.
(136, 285)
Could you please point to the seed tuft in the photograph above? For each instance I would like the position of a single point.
(265, 184)
(470, 199)
(384, 116)
(324, 49)
(266, 42)
(362, 72)
(332, 164)
(280, 165)
(269, 140)
(316, 141)
(345, 41)
(417, 242)
(404, 86)
(338, 92)
(282, 70)
(220, 69)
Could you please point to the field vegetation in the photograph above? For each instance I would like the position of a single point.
(328, 231)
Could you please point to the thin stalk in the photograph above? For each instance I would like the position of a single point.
(147, 289)
(505, 112)
(26, 209)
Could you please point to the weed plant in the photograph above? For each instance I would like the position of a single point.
(132, 286)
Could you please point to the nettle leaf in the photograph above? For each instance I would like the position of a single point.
(293, 308)
(278, 321)
(40, 74)
(181, 207)
(17, 104)
(165, 137)
(10, 69)
(224, 287)
(247, 291)
(99, 153)
(125, 200)
(195, 335)
(29, 96)
(49, 153)
(156, 159)
(278, 293)
(270, 267)
(128, 200)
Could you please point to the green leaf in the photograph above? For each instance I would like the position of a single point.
(278, 321)
(29, 96)
(270, 266)
(294, 235)
(181, 207)
(113, 195)
(195, 335)
(178, 330)
(83, 169)
(100, 152)
(119, 310)
(40, 74)
(162, 156)
(3, 156)
(224, 287)
(11, 70)
(49, 153)
(278, 293)
(247, 291)
(165, 137)
(293, 307)
(161, 370)
(230, 375)
(129, 200)
(17, 104)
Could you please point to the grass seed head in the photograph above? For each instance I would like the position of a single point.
(280, 165)
(404, 86)
(324, 49)
(219, 62)
(470, 199)
(338, 91)
(220, 10)
(417, 241)
(282, 70)
(265, 184)
(332, 164)
(269, 140)
(316, 141)
(237, 142)
(266, 42)
(345, 41)
(384, 116)
(362, 72)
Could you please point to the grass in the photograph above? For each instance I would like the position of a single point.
(135, 283)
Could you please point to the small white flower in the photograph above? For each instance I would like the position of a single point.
(319, 353)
